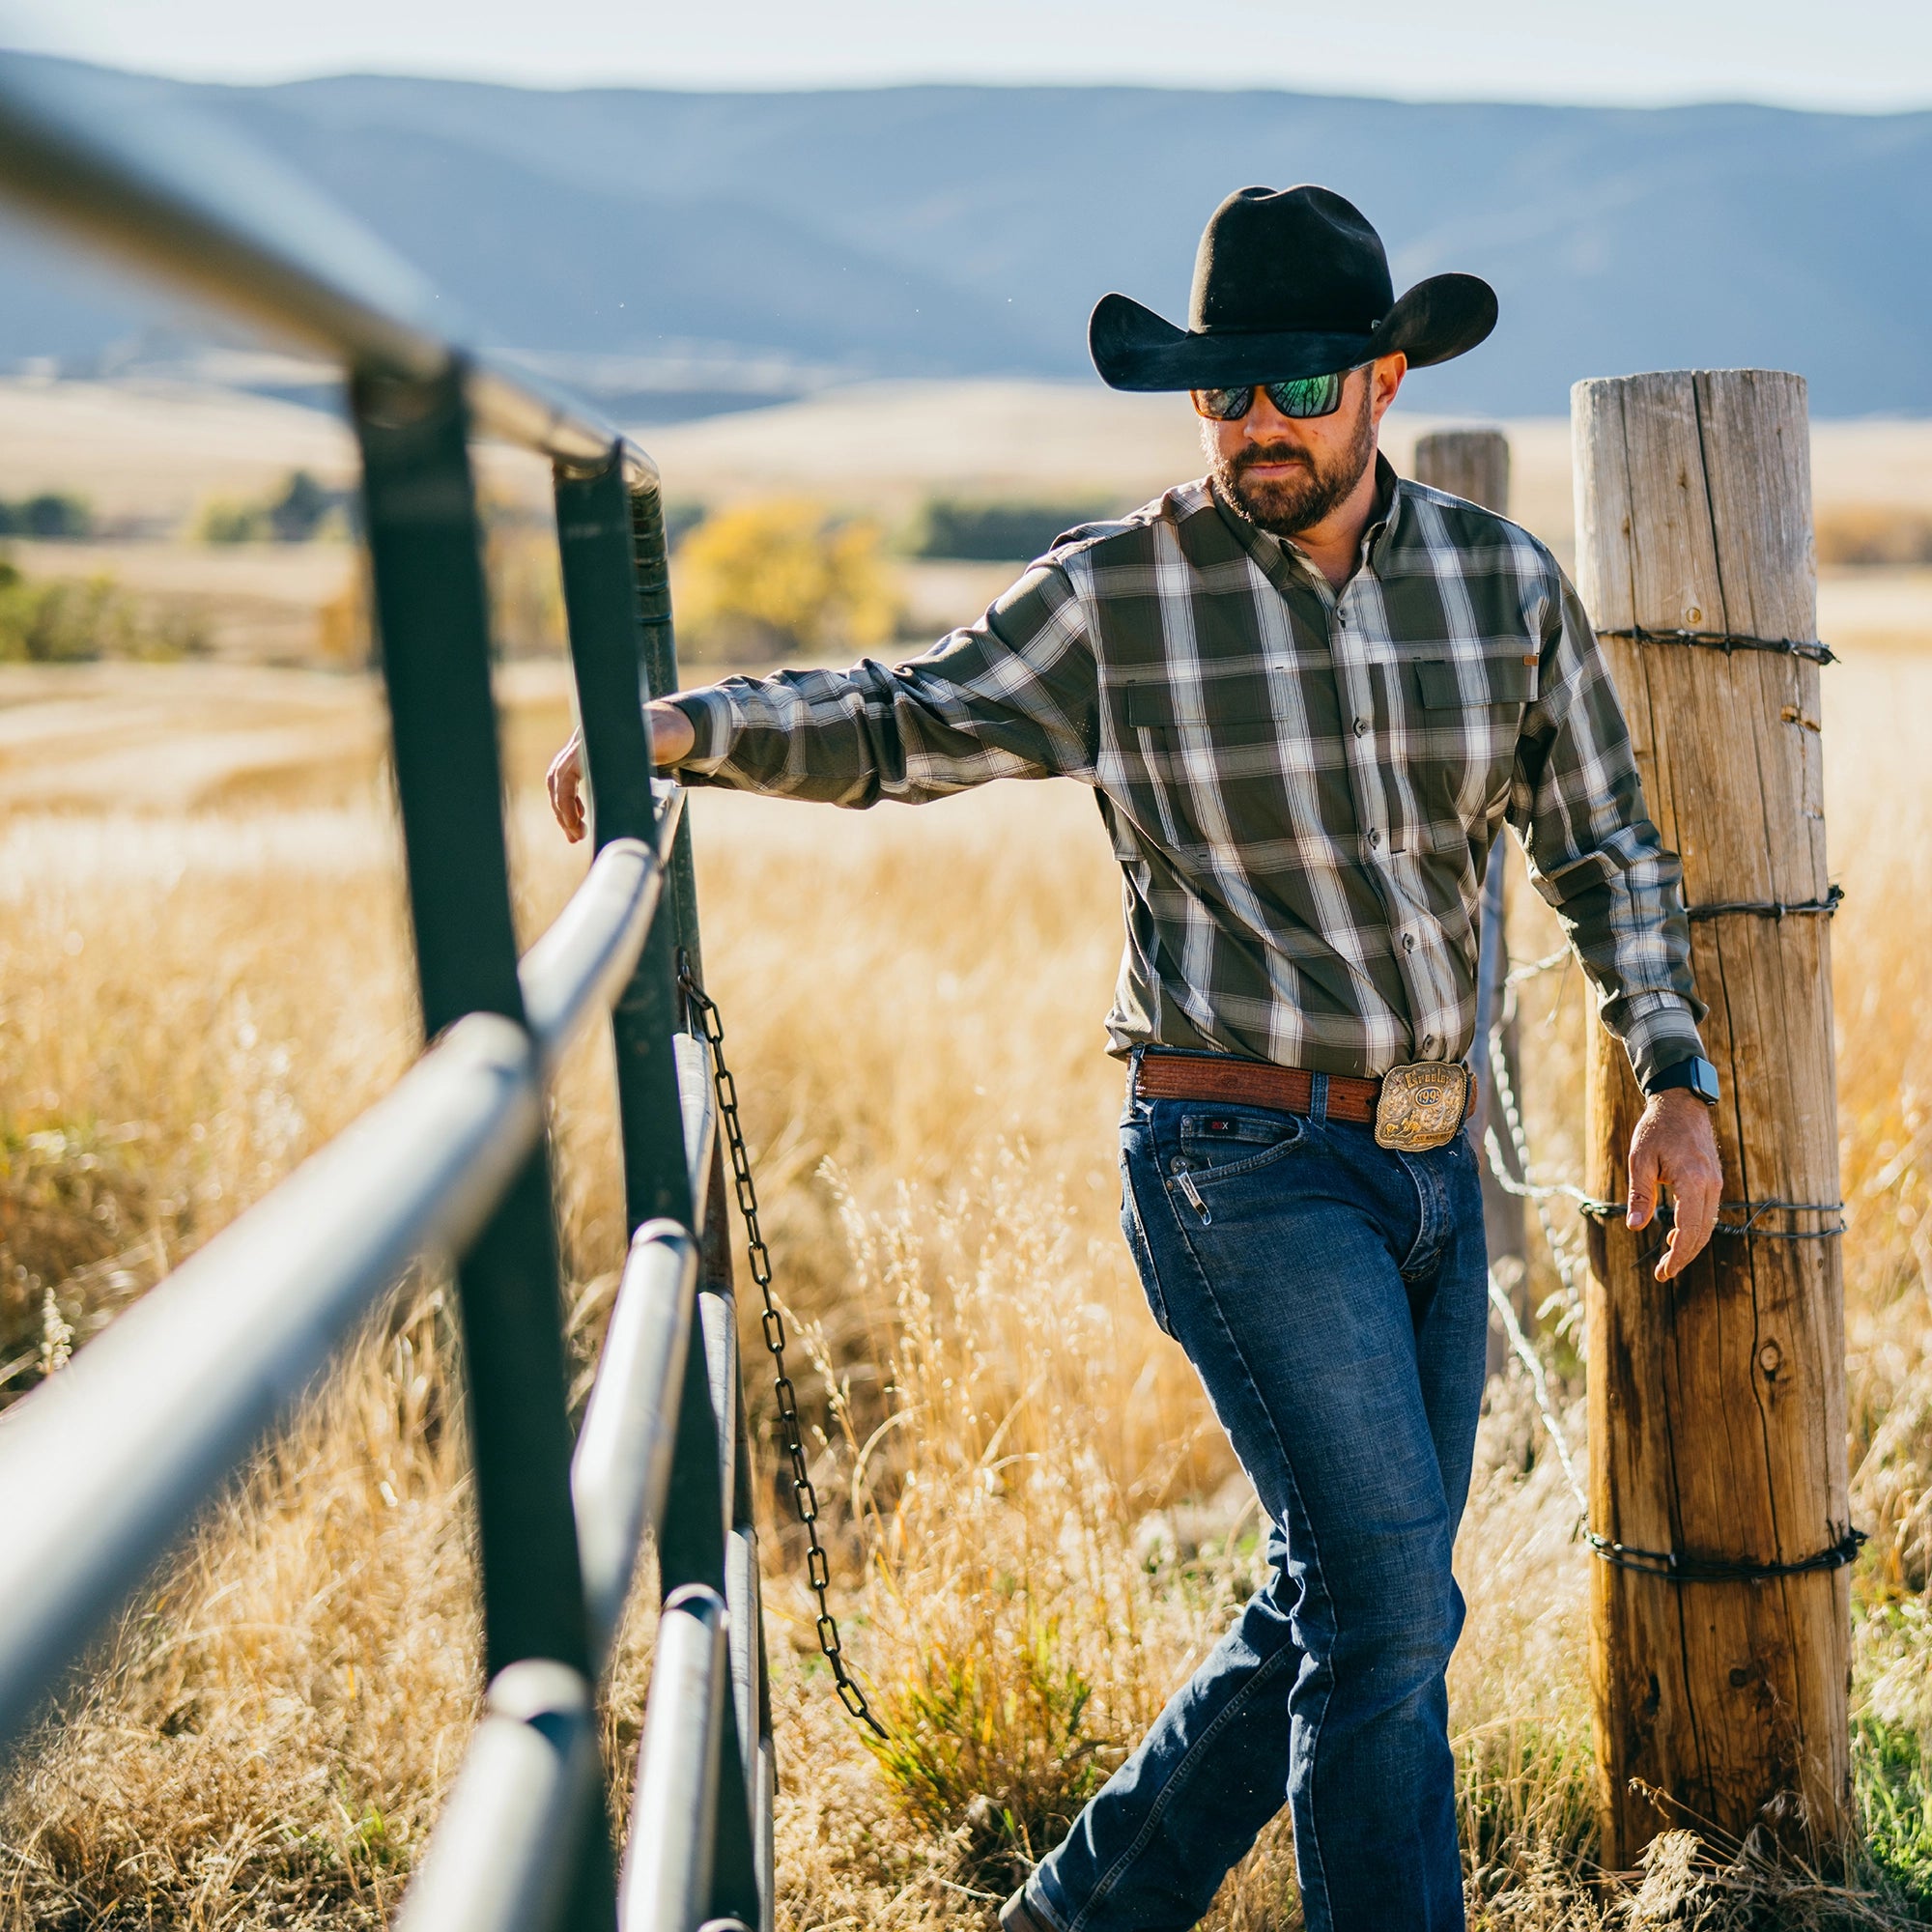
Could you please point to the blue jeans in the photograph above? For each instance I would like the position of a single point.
(1333, 1297)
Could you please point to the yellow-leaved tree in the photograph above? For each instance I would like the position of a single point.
(764, 577)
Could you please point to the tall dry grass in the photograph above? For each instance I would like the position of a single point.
(1038, 1529)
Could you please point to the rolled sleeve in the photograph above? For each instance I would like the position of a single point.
(713, 727)
(1594, 853)
(1011, 696)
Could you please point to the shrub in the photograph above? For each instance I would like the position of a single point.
(64, 622)
(768, 577)
(47, 514)
(994, 532)
(1892, 1773)
(297, 512)
(224, 520)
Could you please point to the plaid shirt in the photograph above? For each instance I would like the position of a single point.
(1301, 787)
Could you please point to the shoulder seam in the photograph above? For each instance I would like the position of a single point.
(1109, 529)
(1516, 531)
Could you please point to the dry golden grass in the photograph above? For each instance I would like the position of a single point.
(1035, 1529)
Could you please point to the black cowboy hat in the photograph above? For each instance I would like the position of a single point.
(1289, 283)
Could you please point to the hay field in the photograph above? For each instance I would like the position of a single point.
(147, 455)
(1039, 1527)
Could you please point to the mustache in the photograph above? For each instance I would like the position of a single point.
(1259, 452)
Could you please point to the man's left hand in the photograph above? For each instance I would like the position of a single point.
(1675, 1147)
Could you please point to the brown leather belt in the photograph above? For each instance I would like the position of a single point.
(1252, 1082)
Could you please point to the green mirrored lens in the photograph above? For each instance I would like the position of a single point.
(1307, 395)
(1224, 405)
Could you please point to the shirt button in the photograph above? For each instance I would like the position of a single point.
(1427, 1042)
(1375, 839)
(1408, 942)
(1361, 726)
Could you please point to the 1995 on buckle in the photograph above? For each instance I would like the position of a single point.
(1422, 1107)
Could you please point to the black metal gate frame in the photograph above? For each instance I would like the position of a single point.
(147, 1422)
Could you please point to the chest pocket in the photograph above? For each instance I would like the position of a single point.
(1469, 711)
(1453, 684)
(1153, 707)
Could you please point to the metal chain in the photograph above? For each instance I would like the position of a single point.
(805, 1496)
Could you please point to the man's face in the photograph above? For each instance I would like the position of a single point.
(1287, 474)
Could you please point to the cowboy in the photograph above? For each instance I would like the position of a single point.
(1307, 695)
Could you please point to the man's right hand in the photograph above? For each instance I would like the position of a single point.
(673, 741)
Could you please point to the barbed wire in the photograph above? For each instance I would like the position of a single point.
(1538, 1196)
(1516, 975)
(1668, 1564)
(1539, 1382)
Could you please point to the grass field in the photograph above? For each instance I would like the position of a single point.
(1037, 1524)
(148, 456)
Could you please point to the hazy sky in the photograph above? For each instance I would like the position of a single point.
(1872, 54)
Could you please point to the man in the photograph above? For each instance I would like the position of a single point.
(1307, 695)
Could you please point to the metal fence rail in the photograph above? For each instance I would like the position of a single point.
(147, 1424)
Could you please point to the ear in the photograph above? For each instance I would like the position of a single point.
(1386, 375)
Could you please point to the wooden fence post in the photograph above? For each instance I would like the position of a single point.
(1475, 463)
(1471, 463)
(1717, 1402)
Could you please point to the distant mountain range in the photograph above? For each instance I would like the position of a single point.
(684, 251)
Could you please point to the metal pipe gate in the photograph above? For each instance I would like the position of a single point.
(145, 1425)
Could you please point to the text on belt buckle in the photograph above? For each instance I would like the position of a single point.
(1421, 1106)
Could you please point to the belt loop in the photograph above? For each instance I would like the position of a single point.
(1317, 1096)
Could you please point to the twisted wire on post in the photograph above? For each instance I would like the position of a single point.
(1536, 1196)
(1728, 642)
(1667, 1564)
(1539, 1382)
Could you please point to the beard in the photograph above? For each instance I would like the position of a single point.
(1287, 505)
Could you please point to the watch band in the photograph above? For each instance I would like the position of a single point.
(1696, 1073)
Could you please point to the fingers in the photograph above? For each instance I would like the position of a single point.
(565, 781)
(1642, 1181)
(1675, 1147)
(566, 801)
(1696, 1191)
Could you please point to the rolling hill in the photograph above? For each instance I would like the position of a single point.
(744, 247)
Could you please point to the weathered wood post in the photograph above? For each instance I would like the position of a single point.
(1471, 463)
(1475, 463)
(1720, 1657)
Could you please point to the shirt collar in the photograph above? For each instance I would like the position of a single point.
(1274, 554)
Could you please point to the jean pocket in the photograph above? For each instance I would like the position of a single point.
(1137, 1246)
(1219, 1142)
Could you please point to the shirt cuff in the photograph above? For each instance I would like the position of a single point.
(1660, 1035)
(714, 728)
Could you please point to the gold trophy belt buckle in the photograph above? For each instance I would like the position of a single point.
(1422, 1107)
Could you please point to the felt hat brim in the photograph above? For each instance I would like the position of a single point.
(1135, 349)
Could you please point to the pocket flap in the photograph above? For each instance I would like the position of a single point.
(1499, 680)
(1150, 704)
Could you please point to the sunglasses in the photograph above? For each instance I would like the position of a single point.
(1304, 396)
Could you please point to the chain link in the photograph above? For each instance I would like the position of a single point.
(805, 1496)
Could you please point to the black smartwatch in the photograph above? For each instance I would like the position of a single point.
(1696, 1073)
